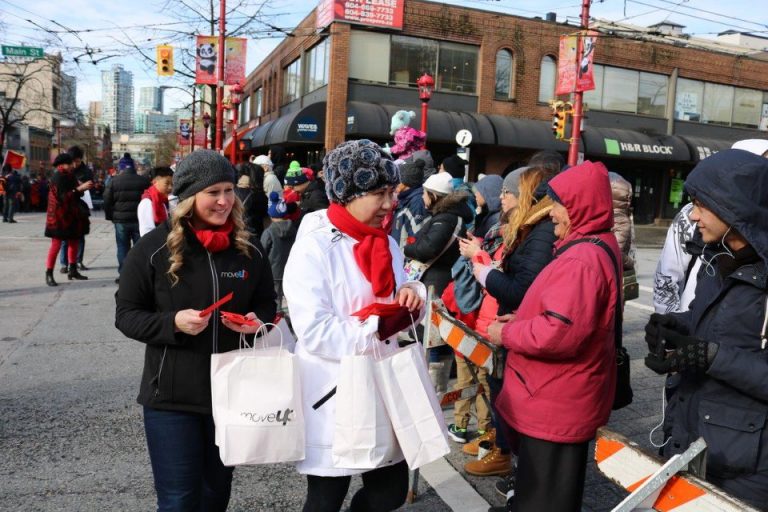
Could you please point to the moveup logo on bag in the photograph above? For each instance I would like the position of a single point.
(278, 417)
(240, 274)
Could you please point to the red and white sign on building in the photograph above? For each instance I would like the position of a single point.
(575, 76)
(374, 13)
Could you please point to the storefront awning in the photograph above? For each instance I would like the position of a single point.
(306, 125)
(525, 133)
(374, 120)
(629, 144)
(701, 147)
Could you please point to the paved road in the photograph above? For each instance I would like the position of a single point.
(71, 434)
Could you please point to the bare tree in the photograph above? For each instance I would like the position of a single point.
(165, 149)
(30, 93)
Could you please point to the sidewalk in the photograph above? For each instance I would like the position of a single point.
(650, 235)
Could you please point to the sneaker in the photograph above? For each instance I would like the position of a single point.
(64, 270)
(495, 463)
(472, 447)
(459, 435)
(506, 486)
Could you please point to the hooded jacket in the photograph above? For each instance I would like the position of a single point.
(277, 240)
(490, 188)
(623, 227)
(435, 234)
(560, 374)
(410, 215)
(729, 405)
(177, 366)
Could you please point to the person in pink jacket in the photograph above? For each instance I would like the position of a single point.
(560, 371)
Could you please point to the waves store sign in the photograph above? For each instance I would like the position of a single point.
(374, 13)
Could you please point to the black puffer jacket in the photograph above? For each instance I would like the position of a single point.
(728, 406)
(177, 366)
(314, 197)
(435, 234)
(523, 264)
(123, 195)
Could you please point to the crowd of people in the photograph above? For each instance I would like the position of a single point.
(532, 260)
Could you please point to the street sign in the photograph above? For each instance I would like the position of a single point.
(463, 138)
(23, 51)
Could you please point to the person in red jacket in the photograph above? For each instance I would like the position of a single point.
(560, 374)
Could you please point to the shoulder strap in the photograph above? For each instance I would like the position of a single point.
(617, 316)
(455, 234)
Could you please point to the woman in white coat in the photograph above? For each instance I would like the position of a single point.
(333, 271)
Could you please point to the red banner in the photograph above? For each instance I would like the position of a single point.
(207, 56)
(185, 132)
(585, 80)
(199, 133)
(374, 13)
(573, 76)
(14, 159)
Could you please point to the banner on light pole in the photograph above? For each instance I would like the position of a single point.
(573, 76)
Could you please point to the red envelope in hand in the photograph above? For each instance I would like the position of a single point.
(238, 319)
(482, 257)
(379, 309)
(217, 304)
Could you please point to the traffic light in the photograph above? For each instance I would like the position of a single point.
(164, 60)
(560, 112)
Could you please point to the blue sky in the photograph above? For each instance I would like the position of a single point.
(109, 29)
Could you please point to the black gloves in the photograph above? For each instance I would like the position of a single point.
(682, 353)
(653, 328)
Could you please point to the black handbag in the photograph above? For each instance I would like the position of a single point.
(624, 394)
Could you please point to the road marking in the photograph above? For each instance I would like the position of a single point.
(640, 306)
(646, 289)
(452, 488)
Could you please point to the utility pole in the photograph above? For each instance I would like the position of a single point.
(220, 75)
(578, 105)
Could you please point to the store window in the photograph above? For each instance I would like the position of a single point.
(258, 101)
(718, 103)
(245, 110)
(362, 67)
(547, 79)
(316, 71)
(457, 67)
(594, 98)
(652, 94)
(503, 74)
(292, 81)
(620, 90)
(410, 58)
(747, 107)
(689, 100)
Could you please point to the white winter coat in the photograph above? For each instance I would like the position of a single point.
(324, 286)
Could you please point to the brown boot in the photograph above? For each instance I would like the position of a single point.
(472, 447)
(492, 464)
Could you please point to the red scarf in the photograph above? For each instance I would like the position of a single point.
(371, 252)
(214, 240)
(159, 204)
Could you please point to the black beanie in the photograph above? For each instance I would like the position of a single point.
(454, 165)
(412, 173)
(200, 169)
(62, 158)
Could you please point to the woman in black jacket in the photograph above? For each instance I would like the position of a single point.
(437, 244)
(203, 253)
(250, 191)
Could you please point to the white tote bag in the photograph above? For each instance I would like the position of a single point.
(257, 408)
(363, 436)
(414, 411)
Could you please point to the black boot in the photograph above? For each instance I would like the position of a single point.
(74, 274)
(49, 278)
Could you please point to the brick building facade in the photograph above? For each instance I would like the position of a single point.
(324, 85)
